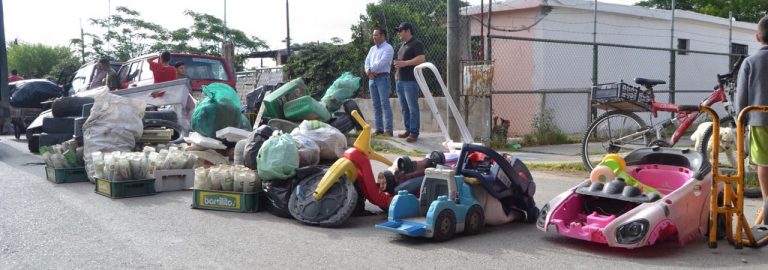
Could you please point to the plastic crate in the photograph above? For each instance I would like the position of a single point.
(125, 189)
(156, 135)
(172, 180)
(274, 101)
(620, 96)
(68, 175)
(243, 202)
(305, 108)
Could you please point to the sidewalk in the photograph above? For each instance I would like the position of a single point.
(563, 153)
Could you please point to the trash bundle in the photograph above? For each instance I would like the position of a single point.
(227, 178)
(220, 109)
(278, 158)
(342, 88)
(330, 140)
(65, 155)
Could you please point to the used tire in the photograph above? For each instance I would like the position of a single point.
(33, 140)
(349, 106)
(178, 132)
(47, 139)
(69, 106)
(87, 110)
(343, 122)
(445, 225)
(332, 210)
(161, 115)
(59, 125)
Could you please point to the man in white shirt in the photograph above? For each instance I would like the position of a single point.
(378, 64)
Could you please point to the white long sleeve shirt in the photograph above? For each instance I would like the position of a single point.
(379, 59)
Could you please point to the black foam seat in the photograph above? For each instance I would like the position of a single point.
(648, 82)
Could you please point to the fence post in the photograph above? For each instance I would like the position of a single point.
(452, 60)
(5, 111)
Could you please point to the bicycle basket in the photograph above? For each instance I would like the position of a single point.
(620, 96)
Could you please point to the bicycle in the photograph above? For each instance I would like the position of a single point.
(621, 130)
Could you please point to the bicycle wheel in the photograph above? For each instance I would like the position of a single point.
(616, 132)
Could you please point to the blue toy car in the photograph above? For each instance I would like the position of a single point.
(446, 206)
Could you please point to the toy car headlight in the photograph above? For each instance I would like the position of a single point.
(540, 222)
(632, 232)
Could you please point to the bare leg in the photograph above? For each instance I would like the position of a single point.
(762, 176)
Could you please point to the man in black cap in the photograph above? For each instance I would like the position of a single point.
(410, 54)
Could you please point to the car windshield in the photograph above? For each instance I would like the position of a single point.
(202, 68)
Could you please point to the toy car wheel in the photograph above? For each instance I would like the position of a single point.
(531, 214)
(475, 221)
(445, 225)
(332, 210)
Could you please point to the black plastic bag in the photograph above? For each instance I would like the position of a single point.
(251, 151)
(279, 192)
(29, 93)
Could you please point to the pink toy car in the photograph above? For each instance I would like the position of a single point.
(620, 215)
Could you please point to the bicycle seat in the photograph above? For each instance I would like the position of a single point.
(648, 82)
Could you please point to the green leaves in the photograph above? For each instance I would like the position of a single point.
(37, 60)
(743, 10)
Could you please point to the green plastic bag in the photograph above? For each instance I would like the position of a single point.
(342, 88)
(220, 109)
(278, 158)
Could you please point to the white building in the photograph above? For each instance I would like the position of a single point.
(526, 65)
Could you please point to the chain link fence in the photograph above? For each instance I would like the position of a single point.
(542, 82)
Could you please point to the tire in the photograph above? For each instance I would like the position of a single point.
(69, 106)
(707, 136)
(87, 110)
(48, 139)
(445, 226)
(59, 125)
(343, 122)
(33, 139)
(475, 220)
(336, 206)
(178, 133)
(161, 115)
(349, 106)
(607, 125)
(17, 130)
(532, 214)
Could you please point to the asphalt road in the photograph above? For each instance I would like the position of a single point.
(68, 226)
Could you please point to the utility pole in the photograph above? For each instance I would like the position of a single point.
(288, 32)
(82, 44)
(453, 59)
(6, 109)
(730, 33)
(672, 56)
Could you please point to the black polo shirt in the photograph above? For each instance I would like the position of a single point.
(408, 51)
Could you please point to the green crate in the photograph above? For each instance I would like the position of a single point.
(305, 108)
(226, 200)
(125, 189)
(274, 101)
(68, 175)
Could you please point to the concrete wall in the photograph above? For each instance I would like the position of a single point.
(428, 123)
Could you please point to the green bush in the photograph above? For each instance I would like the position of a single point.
(545, 132)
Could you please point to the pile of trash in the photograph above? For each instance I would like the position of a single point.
(123, 166)
(236, 178)
(63, 156)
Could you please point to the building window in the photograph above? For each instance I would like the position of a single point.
(682, 46)
(737, 50)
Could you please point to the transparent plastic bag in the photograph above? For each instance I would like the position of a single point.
(331, 141)
(309, 151)
(201, 179)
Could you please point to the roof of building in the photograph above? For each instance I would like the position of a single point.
(660, 14)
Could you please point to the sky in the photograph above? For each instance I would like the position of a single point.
(55, 22)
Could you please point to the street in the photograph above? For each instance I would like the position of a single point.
(68, 226)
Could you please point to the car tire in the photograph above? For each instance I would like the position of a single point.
(59, 125)
(33, 140)
(343, 122)
(475, 221)
(86, 110)
(161, 115)
(48, 139)
(349, 106)
(178, 131)
(445, 225)
(69, 106)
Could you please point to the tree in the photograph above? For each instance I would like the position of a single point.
(743, 10)
(37, 60)
(319, 64)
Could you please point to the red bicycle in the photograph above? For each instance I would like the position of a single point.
(621, 130)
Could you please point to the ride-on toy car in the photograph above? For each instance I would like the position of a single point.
(621, 215)
(447, 204)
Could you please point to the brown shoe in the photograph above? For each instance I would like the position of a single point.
(404, 135)
(389, 133)
(378, 132)
(412, 138)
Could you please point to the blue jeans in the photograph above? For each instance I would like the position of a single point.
(408, 94)
(380, 97)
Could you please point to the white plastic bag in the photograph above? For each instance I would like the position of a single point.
(114, 125)
(201, 179)
(331, 141)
